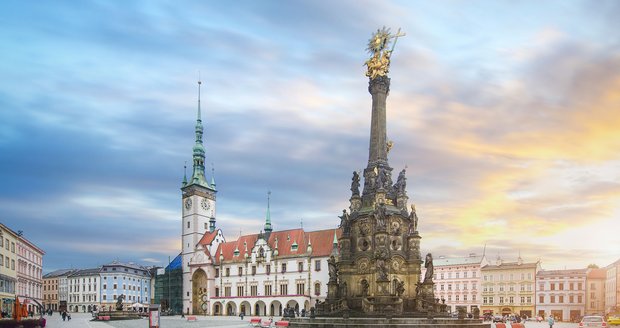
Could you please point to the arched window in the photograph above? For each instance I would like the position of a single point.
(317, 288)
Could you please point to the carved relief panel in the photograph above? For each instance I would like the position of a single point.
(364, 227)
(363, 265)
(398, 264)
(396, 243)
(395, 227)
(363, 244)
(380, 240)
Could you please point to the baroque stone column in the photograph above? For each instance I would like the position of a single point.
(379, 88)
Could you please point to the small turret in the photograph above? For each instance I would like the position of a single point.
(268, 227)
(335, 245)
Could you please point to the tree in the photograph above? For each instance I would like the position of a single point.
(592, 266)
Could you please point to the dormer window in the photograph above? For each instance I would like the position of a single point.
(236, 252)
(294, 246)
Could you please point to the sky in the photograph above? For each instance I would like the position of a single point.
(506, 115)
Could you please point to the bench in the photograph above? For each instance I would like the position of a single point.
(517, 325)
(103, 317)
(192, 318)
(265, 324)
(255, 322)
(281, 323)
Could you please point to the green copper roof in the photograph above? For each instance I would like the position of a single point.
(198, 173)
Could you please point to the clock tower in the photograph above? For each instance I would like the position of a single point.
(198, 208)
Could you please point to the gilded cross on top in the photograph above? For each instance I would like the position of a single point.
(379, 62)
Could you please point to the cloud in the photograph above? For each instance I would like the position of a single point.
(507, 127)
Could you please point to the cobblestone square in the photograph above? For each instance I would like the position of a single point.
(81, 320)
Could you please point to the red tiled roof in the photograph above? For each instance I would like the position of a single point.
(286, 239)
(322, 243)
(227, 249)
(208, 237)
(597, 274)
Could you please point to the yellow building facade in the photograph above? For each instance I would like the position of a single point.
(8, 272)
(508, 288)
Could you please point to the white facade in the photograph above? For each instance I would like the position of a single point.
(457, 281)
(29, 273)
(63, 289)
(561, 293)
(263, 274)
(198, 212)
(83, 290)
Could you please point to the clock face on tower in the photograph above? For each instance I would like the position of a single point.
(188, 203)
(205, 204)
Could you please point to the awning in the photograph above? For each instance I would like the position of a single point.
(138, 305)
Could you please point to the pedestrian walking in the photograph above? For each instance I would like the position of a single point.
(550, 321)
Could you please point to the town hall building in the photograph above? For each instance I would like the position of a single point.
(257, 274)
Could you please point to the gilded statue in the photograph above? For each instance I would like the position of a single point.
(379, 62)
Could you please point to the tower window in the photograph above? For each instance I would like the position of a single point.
(188, 224)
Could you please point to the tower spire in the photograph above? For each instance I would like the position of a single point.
(185, 174)
(198, 174)
(268, 228)
(199, 83)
